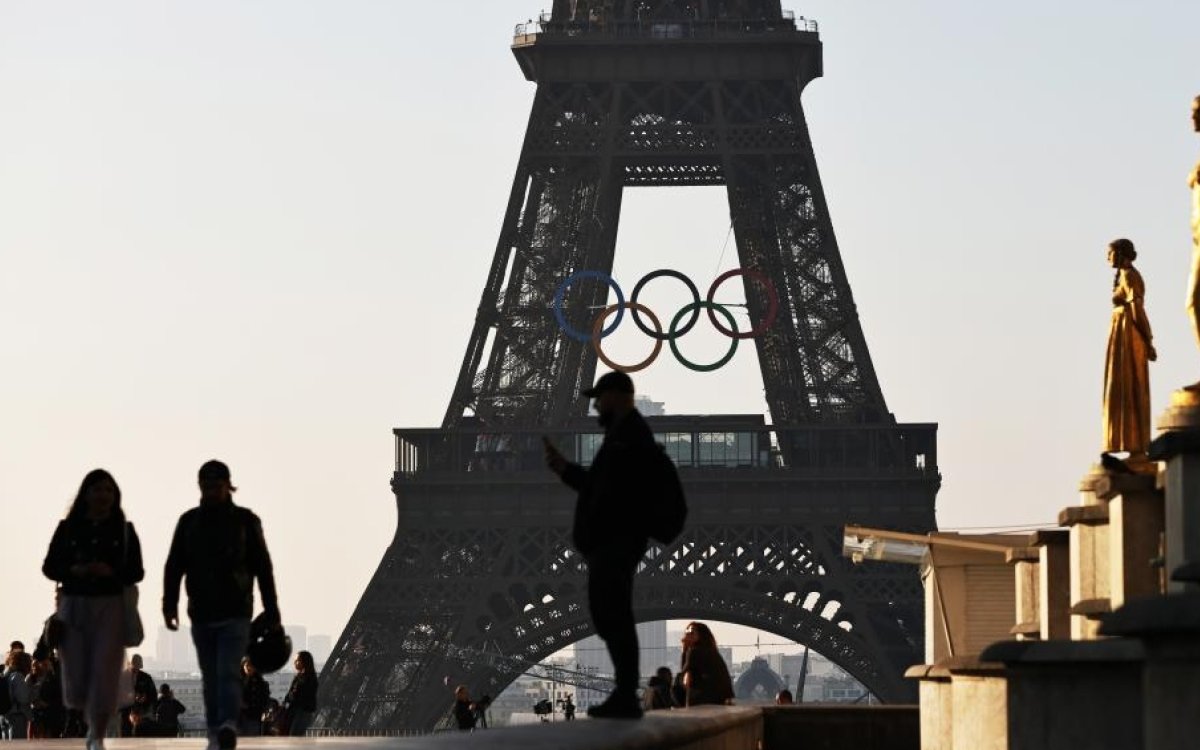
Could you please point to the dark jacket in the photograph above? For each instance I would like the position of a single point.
(612, 489)
(79, 542)
(256, 695)
(221, 549)
(167, 713)
(303, 693)
(709, 681)
(145, 694)
(464, 714)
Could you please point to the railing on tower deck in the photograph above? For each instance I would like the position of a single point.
(695, 444)
(660, 28)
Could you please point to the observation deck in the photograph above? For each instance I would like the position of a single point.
(658, 30)
(572, 49)
(702, 447)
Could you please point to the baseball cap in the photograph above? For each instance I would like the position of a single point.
(610, 381)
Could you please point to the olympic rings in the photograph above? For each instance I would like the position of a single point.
(597, 335)
(675, 330)
(642, 285)
(560, 296)
(772, 303)
(733, 339)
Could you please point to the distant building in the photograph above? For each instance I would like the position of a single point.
(299, 636)
(592, 654)
(649, 408)
(173, 652)
(320, 646)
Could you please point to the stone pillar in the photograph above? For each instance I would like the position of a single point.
(1025, 564)
(1179, 447)
(1089, 552)
(937, 708)
(1168, 628)
(1135, 530)
(1054, 586)
(963, 704)
(1073, 695)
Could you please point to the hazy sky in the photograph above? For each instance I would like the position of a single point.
(258, 231)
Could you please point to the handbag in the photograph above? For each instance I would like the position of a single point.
(53, 631)
(134, 633)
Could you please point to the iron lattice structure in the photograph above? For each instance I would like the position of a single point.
(481, 580)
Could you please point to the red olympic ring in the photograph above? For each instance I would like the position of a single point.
(598, 335)
(772, 303)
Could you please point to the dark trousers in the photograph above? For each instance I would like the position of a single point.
(610, 598)
(220, 647)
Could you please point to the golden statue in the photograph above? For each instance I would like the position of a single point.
(1184, 412)
(1194, 281)
(1127, 366)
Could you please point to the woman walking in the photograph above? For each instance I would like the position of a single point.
(705, 675)
(94, 555)
(302, 696)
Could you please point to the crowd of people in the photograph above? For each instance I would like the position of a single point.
(77, 681)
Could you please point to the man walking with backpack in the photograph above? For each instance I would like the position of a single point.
(620, 504)
(220, 548)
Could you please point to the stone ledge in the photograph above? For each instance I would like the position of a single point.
(1091, 607)
(1021, 554)
(1051, 537)
(1107, 486)
(1174, 442)
(700, 728)
(1177, 614)
(1085, 514)
(1050, 652)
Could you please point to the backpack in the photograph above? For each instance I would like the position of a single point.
(666, 506)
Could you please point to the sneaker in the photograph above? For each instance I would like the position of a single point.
(226, 738)
(617, 707)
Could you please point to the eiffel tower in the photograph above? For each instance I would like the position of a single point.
(481, 581)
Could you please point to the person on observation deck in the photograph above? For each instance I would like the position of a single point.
(607, 531)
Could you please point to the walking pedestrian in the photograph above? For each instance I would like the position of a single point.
(219, 547)
(15, 723)
(142, 694)
(301, 700)
(705, 674)
(256, 698)
(167, 711)
(464, 710)
(94, 555)
(608, 531)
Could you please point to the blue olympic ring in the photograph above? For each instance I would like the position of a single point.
(560, 298)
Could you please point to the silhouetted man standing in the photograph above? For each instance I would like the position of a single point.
(608, 531)
(220, 547)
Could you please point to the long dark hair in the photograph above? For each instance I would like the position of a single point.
(79, 506)
(307, 660)
(707, 639)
